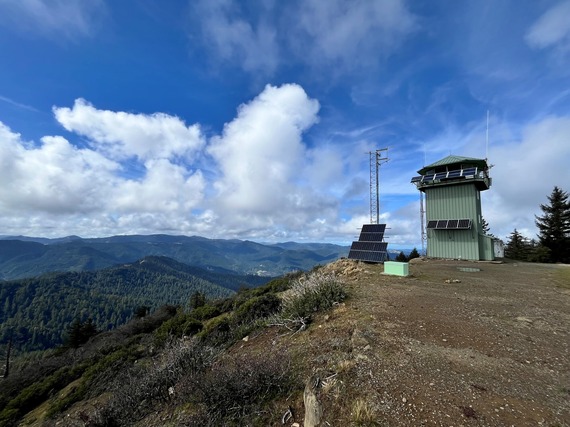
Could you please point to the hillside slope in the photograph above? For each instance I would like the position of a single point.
(456, 343)
(36, 312)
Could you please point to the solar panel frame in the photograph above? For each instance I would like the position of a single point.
(452, 224)
(432, 223)
(440, 175)
(464, 224)
(373, 228)
(469, 171)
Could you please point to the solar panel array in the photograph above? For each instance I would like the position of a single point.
(449, 224)
(439, 176)
(370, 246)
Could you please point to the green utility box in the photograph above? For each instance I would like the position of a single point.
(396, 268)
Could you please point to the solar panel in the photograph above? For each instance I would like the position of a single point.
(469, 171)
(374, 228)
(416, 179)
(368, 256)
(464, 224)
(454, 174)
(440, 175)
(370, 246)
(428, 178)
(441, 224)
(449, 224)
(452, 223)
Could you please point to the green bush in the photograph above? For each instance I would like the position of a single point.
(205, 312)
(256, 308)
(180, 325)
(312, 293)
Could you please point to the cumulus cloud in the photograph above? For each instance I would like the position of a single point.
(122, 135)
(53, 177)
(552, 28)
(261, 156)
(67, 18)
(525, 172)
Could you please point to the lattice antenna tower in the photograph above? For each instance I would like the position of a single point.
(377, 158)
(423, 224)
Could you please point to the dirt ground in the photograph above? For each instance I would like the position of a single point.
(454, 344)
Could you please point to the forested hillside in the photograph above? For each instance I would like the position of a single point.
(22, 257)
(36, 312)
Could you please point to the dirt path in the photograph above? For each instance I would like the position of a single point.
(489, 348)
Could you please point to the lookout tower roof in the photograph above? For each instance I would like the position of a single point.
(460, 162)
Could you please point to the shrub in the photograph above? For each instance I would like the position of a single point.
(235, 390)
(180, 325)
(316, 292)
(256, 308)
(205, 312)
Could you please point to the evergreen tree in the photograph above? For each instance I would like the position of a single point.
(413, 254)
(401, 257)
(80, 332)
(517, 246)
(485, 226)
(197, 299)
(554, 226)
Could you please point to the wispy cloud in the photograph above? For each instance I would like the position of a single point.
(552, 28)
(54, 18)
(18, 104)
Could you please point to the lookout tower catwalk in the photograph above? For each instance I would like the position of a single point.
(452, 188)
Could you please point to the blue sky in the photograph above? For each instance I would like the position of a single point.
(253, 119)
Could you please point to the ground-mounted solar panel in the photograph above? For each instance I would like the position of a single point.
(368, 256)
(370, 246)
(374, 228)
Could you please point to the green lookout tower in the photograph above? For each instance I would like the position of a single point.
(452, 188)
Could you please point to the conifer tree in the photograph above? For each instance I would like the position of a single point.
(554, 226)
(413, 254)
(517, 246)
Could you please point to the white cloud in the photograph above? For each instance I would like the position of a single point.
(552, 28)
(122, 135)
(261, 155)
(52, 17)
(525, 173)
(165, 188)
(55, 177)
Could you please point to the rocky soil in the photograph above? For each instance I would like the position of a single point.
(454, 344)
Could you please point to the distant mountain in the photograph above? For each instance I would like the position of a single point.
(22, 256)
(37, 311)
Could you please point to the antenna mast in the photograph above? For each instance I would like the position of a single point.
(376, 159)
(487, 138)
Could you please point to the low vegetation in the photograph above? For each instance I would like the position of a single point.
(177, 358)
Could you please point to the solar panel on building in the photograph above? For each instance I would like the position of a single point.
(432, 223)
